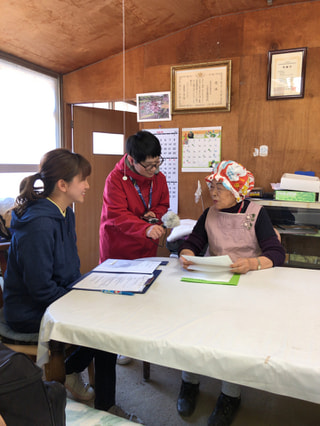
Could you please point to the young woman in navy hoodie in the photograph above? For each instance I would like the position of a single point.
(43, 261)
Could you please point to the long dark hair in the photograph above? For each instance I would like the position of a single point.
(55, 165)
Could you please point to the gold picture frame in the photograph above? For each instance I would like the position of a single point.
(204, 87)
(286, 73)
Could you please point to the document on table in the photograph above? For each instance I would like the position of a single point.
(128, 266)
(114, 282)
(227, 278)
(210, 270)
(209, 263)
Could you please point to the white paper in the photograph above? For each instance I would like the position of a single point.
(114, 282)
(208, 276)
(128, 266)
(209, 268)
(209, 263)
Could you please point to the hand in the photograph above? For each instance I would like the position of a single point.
(241, 266)
(185, 263)
(155, 232)
(149, 214)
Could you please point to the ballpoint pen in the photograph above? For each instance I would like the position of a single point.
(126, 293)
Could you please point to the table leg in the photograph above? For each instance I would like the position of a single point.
(55, 369)
(146, 370)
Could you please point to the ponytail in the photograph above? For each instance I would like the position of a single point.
(28, 193)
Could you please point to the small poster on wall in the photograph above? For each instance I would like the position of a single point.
(154, 106)
(201, 148)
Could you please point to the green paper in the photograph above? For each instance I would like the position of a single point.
(233, 281)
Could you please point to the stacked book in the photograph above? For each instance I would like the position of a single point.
(296, 187)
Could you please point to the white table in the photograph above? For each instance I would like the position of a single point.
(264, 333)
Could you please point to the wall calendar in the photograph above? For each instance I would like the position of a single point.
(169, 140)
(201, 148)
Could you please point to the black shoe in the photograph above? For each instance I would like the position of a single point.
(187, 398)
(224, 411)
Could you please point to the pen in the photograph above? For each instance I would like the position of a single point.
(126, 293)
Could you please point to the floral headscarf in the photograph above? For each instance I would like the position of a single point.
(234, 177)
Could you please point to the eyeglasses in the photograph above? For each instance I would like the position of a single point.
(156, 165)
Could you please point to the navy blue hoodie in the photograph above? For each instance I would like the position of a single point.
(42, 261)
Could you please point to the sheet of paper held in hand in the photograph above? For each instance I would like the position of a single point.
(114, 282)
(209, 268)
(128, 266)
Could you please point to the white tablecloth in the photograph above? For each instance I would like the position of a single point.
(264, 333)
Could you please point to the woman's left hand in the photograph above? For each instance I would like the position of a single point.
(241, 266)
(149, 214)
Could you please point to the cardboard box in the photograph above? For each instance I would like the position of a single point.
(295, 182)
(307, 197)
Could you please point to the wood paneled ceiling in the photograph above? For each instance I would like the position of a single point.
(65, 35)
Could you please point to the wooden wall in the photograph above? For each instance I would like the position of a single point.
(290, 128)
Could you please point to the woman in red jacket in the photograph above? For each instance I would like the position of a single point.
(135, 198)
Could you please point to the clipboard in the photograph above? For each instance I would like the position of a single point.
(98, 281)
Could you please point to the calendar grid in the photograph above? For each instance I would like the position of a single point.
(169, 141)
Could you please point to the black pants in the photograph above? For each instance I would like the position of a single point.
(104, 366)
(105, 373)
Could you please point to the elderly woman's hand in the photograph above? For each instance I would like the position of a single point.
(185, 263)
(241, 266)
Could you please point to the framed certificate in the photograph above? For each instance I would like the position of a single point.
(203, 87)
(286, 73)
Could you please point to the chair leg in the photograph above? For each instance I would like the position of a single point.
(146, 370)
(55, 369)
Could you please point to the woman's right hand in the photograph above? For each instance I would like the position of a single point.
(184, 262)
(155, 232)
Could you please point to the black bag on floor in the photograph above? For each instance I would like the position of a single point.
(25, 399)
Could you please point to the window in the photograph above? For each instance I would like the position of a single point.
(110, 143)
(30, 122)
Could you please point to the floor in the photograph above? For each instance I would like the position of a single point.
(153, 403)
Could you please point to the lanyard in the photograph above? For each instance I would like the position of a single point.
(140, 194)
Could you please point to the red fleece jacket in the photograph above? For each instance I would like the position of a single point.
(122, 231)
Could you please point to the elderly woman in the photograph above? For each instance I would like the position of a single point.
(240, 228)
